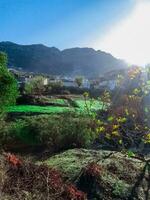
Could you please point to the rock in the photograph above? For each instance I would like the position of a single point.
(120, 177)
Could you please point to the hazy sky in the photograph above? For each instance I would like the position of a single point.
(129, 38)
(116, 26)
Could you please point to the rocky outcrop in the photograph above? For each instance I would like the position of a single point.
(105, 175)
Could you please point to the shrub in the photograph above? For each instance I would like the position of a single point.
(55, 87)
(55, 133)
(126, 124)
(6, 137)
(8, 85)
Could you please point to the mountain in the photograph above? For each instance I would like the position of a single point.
(74, 61)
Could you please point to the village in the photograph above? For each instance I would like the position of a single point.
(106, 81)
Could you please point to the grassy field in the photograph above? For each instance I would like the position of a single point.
(95, 105)
(38, 109)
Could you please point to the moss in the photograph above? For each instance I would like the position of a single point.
(71, 162)
(121, 189)
(119, 173)
(115, 181)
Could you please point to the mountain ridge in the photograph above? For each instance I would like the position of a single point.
(72, 61)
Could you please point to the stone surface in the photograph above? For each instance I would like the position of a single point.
(121, 177)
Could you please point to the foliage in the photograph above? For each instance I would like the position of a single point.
(54, 133)
(120, 189)
(35, 86)
(79, 81)
(105, 98)
(89, 104)
(126, 124)
(8, 85)
(3, 59)
(4, 133)
(130, 154)
(55, 87)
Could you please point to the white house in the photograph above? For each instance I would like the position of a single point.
(45, 81)
(69, 83)
(85, 83)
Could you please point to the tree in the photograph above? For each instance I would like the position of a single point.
(79, 81)
(35, 86)
(55, 87)
(8, 85)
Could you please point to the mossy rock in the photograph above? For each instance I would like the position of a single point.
(121, 177)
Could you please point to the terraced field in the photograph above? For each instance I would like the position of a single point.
(95, 105)
(37, 109)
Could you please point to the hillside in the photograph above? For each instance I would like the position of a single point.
(74, 61)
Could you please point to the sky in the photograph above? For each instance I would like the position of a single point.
(120, 27)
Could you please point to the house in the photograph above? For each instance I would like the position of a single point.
(85, 83)
(109, 84)
(69, 83)
(45, 81)
(107, 81)
(25, 77)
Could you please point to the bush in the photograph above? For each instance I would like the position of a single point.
(6, 138)
(126, 123)
(55, 133)
(55, 87)
(8, 85)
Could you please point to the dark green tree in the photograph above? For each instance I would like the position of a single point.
(8, 85)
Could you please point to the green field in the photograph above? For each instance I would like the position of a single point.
(38, 109)
(96, 105)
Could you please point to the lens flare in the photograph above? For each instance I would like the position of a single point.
(130, 38)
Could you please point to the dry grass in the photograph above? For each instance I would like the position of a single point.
(27, 181)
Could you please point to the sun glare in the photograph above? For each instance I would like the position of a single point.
(130, 38)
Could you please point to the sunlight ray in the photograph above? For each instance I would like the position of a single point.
(130, 38)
